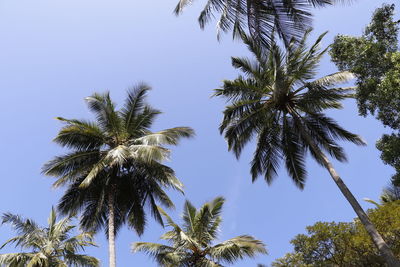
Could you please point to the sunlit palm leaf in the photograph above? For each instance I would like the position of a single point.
(50, 246)
(116, 161)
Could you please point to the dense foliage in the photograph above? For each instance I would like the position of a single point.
(191, 245)
(345, 244)
(375, 59)
(51, 246)
(262, 19)
(114, 171)
(114, 168)
(279, 102)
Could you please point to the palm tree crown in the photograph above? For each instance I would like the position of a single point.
(277, 102)
(50, 246)
(115, 165)
(191, 245)
(262, 18)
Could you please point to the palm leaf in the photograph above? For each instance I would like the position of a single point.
(191, 245)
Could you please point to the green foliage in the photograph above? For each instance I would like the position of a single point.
(52, 246)
(263, 19)
(290, 260)
(370, 58)
(345, 244)
(191, 245)
(278, 101)
(375, 60)
(390, 193)
(117, 155)
(389, 145)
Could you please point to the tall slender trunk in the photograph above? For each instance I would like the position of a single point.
(111, 228)
(377, 239)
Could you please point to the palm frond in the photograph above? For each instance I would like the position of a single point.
(294, 152)
(181, 5)
(134, 104)
(261, 19)
(239, 89)
(106, 115)
(336, 130)
(237, 248)
(15, 259)
(81, 260)
(115, 155)
(140, 125)
(333, 79)
(164, 255)
(50, 246)
(191, 245)
(240, 123)
(80, 135)
(277, 101)
(166, 137)
(267, 155)
(71, 165)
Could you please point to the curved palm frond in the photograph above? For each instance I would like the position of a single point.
(114, 171)
(164, 255)
(106, 116)
(191, 245)
(262, 19)
(292, 121)
(50, 246)
(80, 135)
(166, 137)
(237, 248)
(282, 106)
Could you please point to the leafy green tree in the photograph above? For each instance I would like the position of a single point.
(262, 18)
(115, 165)
(52, 246)
(389, 145)
(291, 260)
(345, 244)
(375, 60)
(278, 102)
(192, 244)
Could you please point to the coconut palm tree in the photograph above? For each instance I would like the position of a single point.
(49, 246)
(192, 244)
(278, 102)
(114, 168)
(262, 18)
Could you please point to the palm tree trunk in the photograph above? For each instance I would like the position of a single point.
(111, 228)
(377, 239)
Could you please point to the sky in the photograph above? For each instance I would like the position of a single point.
(54, 53)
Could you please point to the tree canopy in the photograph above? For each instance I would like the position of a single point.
(51, 246)
(192, 244)
(115, 167)
(262, 19)
(279, 102)
(375, 60)
(345, 243)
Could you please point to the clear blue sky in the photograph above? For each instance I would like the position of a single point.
(53, 53)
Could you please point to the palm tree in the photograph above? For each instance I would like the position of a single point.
(50, 246)
(114, 168)
(262, 18)
(277, 102)
(192, 244)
